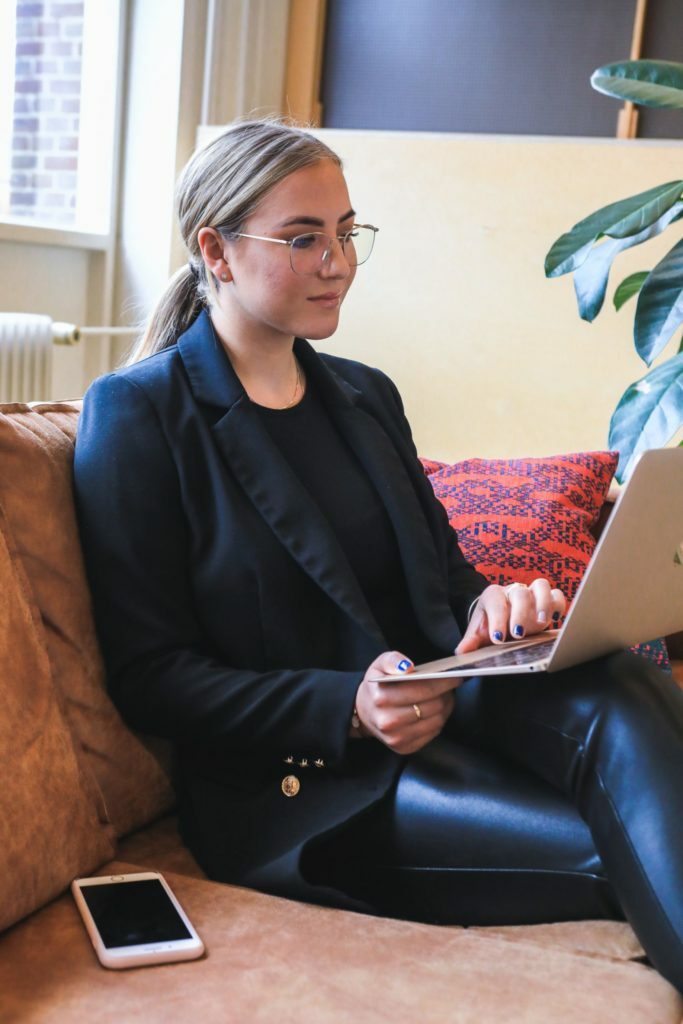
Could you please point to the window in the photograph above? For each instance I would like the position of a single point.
(58, 100)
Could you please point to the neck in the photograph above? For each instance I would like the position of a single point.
(266, 366)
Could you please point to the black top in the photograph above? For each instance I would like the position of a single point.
(328, 469)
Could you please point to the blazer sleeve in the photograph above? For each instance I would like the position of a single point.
(465, 583)
(161, 671)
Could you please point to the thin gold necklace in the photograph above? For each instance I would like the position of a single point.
(297, 385)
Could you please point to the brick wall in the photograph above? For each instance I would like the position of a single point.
(47, 87)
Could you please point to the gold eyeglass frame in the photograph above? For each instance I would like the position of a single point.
(341, 239)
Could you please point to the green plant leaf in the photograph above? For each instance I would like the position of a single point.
(660, 306)
(650, 83)
(629, 287)
(590, 279)
(648, 414)
(618, 220)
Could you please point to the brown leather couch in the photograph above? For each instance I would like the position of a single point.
(79, 794)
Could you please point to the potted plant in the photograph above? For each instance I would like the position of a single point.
(650, 412)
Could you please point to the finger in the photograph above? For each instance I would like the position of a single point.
(405, 738)
(522, 611)
(424, 710)
(389, 663)
(400, 727)
(470, 642)
(414, 740)
(543, 598)
(497, 609)
(476, 635)
(489, 623)
(394, 693)
(559, 605)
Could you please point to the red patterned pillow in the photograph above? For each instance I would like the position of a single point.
(431, 465)
(517, 519)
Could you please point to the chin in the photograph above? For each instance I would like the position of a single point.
(319, 334)
(320, 330)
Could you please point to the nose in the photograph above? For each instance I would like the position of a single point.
(334, 263)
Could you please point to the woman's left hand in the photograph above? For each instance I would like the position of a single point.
(511, 613)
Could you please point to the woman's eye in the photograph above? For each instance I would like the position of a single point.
(303, 241)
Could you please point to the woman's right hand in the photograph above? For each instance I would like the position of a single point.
(403, 715)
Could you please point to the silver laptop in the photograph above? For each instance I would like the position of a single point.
(632, 590)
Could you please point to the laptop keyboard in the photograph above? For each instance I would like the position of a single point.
(520, 656)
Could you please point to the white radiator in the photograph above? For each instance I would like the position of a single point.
(25, 357)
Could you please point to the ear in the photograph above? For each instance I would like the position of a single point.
(212, 248)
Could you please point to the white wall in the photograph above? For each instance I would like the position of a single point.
(51, 280)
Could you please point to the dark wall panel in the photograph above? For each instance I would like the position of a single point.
(662, 40)
(512, 66)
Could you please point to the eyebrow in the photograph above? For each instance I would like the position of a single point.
(314, 221)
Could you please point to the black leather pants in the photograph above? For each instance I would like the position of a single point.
(547, 797)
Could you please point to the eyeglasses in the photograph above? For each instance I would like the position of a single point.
(310, 253)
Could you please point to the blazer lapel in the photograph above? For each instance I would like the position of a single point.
(266, 477)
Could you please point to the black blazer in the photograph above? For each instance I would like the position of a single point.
(229, 618)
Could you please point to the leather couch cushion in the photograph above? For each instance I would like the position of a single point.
(160, 846)
(269, 959)
(49, 825)
(36, 454)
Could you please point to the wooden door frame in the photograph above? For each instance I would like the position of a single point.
(303, 73)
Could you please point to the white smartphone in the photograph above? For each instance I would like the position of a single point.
(135, 920)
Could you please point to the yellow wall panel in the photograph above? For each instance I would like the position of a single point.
(490, 357)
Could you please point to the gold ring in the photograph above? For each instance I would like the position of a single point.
(418, 712)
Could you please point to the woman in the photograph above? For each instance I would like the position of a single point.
(264, 547)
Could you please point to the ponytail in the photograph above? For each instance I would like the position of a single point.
(177, 309)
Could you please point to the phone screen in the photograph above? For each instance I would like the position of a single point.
(134, 913)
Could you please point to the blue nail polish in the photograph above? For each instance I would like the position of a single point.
(498, 635)
(556, 616)
(518, 631)
(404, 665)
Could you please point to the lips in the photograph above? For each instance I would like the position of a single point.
(326, 297)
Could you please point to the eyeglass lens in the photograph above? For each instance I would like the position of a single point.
(309, 253)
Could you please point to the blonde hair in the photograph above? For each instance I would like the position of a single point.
(220, 187)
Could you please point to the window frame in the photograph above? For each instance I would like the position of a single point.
(101, 99)
(7, 59)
